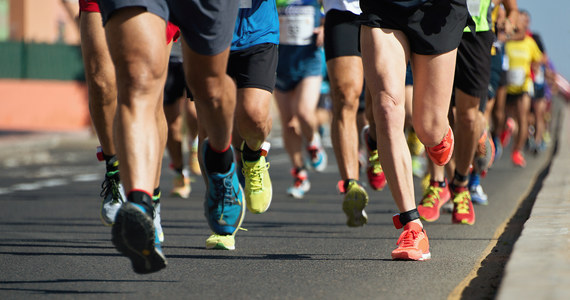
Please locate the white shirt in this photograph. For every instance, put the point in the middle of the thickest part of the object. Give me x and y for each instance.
(352, 6)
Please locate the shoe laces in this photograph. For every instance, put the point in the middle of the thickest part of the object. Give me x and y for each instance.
(407, 238)
(462, 202)
(255, 175)
(110, 185)
(431, 195)
(374, 162)
(223, 189)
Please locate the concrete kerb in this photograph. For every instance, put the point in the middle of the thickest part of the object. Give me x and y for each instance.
(539, 267)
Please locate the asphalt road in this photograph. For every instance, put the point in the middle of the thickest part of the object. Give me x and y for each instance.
(53, 245)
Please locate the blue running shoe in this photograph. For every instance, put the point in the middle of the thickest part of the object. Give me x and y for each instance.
(478, 196)
(224, 205)
(134, 235)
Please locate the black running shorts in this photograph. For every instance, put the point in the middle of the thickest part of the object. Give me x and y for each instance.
(207, 25)
(175, 83)
(254, 67)
(341, 34)
(432, 26)
(473, 67)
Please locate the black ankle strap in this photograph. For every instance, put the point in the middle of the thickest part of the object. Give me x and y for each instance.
(400, 220)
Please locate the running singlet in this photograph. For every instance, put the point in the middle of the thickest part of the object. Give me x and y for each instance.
(521, 55)
(297, 21)
(480, 13)
(256, 23)
(352, 6)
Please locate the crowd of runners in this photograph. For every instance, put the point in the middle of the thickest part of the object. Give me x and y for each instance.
(432, 89)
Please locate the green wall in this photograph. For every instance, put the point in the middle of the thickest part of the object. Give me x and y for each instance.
(20, 60)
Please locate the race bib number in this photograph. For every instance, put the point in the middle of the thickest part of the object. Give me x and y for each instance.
(516, 77)
(296, 25)
(245, 3)
(474, 6)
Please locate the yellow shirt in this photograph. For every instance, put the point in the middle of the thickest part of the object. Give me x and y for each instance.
(521, 54)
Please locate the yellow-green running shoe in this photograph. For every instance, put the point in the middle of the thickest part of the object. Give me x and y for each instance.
(258, 191)
(355, 200)
(414, 143)
(221, 242)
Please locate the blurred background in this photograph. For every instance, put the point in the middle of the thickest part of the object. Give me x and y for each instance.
(41, 72)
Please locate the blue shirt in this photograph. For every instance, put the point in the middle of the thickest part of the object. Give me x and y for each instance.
(256, 25)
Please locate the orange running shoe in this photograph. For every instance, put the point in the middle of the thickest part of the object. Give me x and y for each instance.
(441, 154)
(463, 212)
(518, 159)
(435, 196)
(413, 244)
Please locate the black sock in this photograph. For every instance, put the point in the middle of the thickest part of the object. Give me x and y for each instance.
(219, 162)
(250, 155)
(143, 198)
(460, 178)
(439, 183)
(156, 194)
(371, 143)
(111, 162)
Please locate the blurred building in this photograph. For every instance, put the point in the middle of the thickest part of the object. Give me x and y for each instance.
(39, 21)
(41, 71)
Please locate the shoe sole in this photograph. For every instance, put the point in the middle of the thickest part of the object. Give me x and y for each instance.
(406, 256)
(220, 246)
(133, 235)
(353, 206)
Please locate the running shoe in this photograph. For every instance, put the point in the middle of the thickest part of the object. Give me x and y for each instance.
(258, 191)
(113, 197)
(441, 154)
(221, 242)
(194, 162)
(463, 212)
(435, 196)
(505, 136)
(413, 244)
(135, 236)
(156, 220)
(317, 154)
(485, 153)
(301, 183)
(414, 144)
(181, 186)
(518, 159)
(355, 200)
(478, 196)
(224, 206)
(374, 171)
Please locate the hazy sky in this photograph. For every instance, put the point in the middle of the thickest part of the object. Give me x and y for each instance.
(551, 19)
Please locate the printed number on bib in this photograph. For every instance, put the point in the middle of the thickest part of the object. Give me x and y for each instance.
(516, 76)
(296, 25)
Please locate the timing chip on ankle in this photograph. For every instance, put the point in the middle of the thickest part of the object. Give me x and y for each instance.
(401, 219)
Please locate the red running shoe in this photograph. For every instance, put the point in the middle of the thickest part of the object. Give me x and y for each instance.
(463, 212)
(518, 159)
(374, 172)
(441, 154)
(413, 244)
(434, 198)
